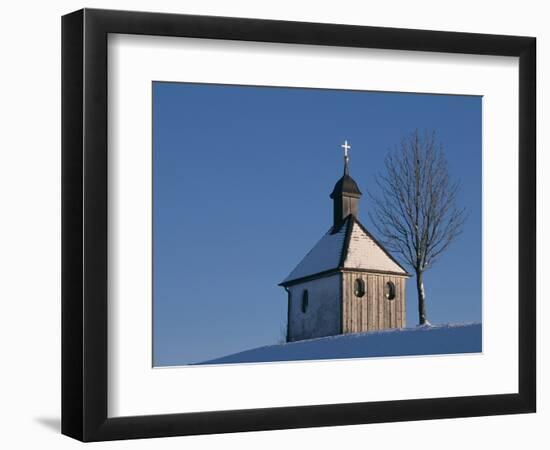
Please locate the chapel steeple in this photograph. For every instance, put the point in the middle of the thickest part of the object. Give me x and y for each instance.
(345, 195)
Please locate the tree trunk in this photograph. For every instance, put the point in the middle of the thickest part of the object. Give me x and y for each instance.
(422, 320)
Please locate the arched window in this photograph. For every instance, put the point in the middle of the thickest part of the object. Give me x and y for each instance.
(359, 287)
(305, 300)
(390, 290)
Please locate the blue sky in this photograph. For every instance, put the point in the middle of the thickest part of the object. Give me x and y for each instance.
(241, 184)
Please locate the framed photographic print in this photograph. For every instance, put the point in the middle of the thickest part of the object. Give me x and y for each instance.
(273, 224)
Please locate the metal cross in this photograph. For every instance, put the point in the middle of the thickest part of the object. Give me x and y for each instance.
(346, 147)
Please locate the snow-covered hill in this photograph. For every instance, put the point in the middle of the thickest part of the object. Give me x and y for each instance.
(432, 340)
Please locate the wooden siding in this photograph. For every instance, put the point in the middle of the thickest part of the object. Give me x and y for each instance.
(373, 311)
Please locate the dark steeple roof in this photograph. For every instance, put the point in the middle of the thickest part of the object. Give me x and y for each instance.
(346, 186)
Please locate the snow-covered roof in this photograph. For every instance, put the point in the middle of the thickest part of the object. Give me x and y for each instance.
(325, 255)
(349, 247)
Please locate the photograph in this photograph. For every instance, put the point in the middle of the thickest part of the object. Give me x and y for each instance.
(266, 225)
(296, 224)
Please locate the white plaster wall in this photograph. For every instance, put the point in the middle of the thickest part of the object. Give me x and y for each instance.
(322, 317)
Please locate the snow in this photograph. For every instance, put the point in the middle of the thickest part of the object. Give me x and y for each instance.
(361, 252)
(325, 255)
(425, 340)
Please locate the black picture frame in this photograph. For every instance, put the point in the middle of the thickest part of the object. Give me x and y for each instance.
(84, 224)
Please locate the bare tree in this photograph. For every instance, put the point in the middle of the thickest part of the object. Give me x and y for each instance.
(416, 212)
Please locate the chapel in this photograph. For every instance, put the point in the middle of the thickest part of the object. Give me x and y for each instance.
(348, 282)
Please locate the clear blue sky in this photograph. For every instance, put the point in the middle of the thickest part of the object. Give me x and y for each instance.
(241, 184)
